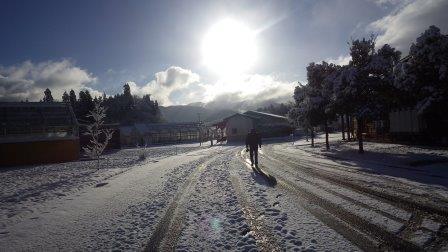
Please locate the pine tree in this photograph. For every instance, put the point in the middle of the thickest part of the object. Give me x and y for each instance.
(319, 94)
(65, 97)
(366, 83)
(47, 96)
(128, 100)
(72, 98)
(422, 78)
(85, 104)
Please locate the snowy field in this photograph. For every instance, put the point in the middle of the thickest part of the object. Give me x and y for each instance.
(191, 198)
(425, 163)
(23, 187)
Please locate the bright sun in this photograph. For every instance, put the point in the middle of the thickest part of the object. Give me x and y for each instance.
(229, 48)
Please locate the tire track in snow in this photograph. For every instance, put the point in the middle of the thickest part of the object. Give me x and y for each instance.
(375, 232)
(358, 228)
(166, 234)
(422, 172)
(411, 229)
(398, 186)
(354, 236)
(400, 202)
(378, 207)
(264, 240)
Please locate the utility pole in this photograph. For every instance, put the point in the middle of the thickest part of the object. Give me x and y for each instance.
(200, 129)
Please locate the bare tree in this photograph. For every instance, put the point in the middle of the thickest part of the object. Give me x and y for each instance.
(95, 130)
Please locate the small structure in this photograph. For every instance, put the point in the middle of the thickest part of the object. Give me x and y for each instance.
(37, 132)
(236, 127)
(405, 121)
(407, 125)
(159, 133)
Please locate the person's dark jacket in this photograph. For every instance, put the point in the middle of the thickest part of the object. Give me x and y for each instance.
(253, 140)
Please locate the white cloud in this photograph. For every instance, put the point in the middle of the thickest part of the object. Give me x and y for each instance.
(176, 86)
(175, 77)
(248, 92)
(250, 86)
(389, 2)
(28, 80)
(404, 25)
(166, 83)
(341, 60)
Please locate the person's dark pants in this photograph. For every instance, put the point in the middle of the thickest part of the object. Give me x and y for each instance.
(253, 150)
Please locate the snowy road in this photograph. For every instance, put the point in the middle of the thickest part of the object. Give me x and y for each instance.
(211, 199)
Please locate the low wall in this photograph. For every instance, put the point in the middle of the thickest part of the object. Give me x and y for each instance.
(39, 152)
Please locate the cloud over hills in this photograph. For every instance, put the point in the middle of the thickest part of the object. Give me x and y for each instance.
(173, 86)
(177, 86)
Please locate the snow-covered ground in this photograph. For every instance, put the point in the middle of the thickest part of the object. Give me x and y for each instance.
(390, 153)
(417, 163)
(23, 187)
(190, 198)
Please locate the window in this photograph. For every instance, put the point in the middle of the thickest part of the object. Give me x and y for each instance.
(234, 131)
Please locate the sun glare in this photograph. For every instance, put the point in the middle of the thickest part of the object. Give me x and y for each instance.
(229, 48)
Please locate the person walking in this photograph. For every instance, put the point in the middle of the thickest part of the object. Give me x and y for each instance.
(253, 141)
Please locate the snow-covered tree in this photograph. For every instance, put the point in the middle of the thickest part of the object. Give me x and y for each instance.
(331, 74)
(342, 97)
(313, 104)
(366, 84)
(99, 136)
(300, 113)
(381, 79)
(423, 77)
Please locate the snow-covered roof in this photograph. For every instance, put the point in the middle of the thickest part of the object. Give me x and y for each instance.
(239, 114)
(259, 117)
(263, 114)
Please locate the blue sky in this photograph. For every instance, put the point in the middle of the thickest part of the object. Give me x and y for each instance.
(156, 45)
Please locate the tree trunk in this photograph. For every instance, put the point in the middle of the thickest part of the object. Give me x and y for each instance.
(312, 137)
(327, 144)
(347, 119)
(342, 127)
(359, 136)
(352, 128)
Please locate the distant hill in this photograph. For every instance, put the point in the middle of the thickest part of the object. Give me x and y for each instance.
(189, 113)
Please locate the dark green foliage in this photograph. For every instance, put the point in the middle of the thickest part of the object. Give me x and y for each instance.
(72, 98)
(422, 78)
(121, 108)
(47, 96)
(65, 97)
(127, 109)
